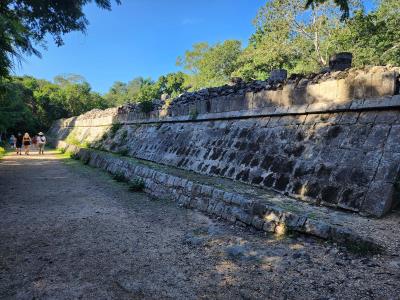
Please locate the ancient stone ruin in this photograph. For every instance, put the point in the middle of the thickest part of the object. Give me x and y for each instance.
(329, 139)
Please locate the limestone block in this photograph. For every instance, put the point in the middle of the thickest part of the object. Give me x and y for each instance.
(257, 222)
(383, 84)
(299, 96)
(389, 168)
(345, 91)
(287, 95)
(249, 100)
(379, 198)
(237, 102)
(227, 197)
(393, 145)
(317, 228)
(269, 226)
(273, 97)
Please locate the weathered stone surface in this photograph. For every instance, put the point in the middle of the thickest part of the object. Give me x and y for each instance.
(333, 149)
(249, 211)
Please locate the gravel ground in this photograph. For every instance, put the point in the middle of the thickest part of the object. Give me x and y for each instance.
(68, 231)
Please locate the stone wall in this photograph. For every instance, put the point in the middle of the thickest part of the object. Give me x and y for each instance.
(331, 139)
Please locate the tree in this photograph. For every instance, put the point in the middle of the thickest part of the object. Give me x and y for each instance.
(210, 65)
(172, 84)
(289, 37)
(25, 23)
(373, 38)
(342, 4)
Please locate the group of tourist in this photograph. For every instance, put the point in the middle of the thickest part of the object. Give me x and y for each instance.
(38, 142)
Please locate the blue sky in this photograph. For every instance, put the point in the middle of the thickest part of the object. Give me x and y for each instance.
(142, 38)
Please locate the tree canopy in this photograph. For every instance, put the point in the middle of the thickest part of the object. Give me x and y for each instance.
(25, 23)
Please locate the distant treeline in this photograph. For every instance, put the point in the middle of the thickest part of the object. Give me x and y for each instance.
(286, 36)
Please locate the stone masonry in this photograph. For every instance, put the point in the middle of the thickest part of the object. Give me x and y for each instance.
(330, 139)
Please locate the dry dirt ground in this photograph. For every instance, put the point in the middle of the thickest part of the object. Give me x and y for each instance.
(68, 231)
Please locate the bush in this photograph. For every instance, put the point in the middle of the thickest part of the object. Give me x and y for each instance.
(120, 177)
(123, 152)
(74, 156)
(193, 114)
(2, 152)
(137, 185)
(114, 128)
(146, 106)
(124, 135)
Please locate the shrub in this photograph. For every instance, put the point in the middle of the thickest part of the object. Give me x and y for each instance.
(72, 140)
(120, 177)
(124, 135)
(104, 137)
(137, 185)
(114, 128)
(123, 152)
(2, 152)
(146, 106)
(74, 156)
(193, 114)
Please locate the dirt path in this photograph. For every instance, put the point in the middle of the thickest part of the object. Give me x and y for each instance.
(68, 231)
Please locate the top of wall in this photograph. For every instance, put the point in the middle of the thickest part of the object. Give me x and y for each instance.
(344, 90)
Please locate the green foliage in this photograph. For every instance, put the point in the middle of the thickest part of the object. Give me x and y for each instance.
(342, 4)
(30, 104)
(137, 185)
(2, 152)
(25, 23)
(287, 36)
(193, 114)
(123, 152)
(74, 156)
(114, 128)
(72, 140)
(144, 91)
(373, 38)
(124, 135)
(120, 177)
(211, 65)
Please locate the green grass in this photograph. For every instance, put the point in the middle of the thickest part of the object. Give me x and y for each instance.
(2, 152)
(120, 177)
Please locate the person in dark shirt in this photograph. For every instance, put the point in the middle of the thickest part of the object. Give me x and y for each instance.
(18, 143)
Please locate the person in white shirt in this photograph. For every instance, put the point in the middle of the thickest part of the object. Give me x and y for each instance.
(41, 141)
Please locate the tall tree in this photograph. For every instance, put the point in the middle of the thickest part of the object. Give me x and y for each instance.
(374, 37)
(25, 23)
(210, 65)
(287, 36)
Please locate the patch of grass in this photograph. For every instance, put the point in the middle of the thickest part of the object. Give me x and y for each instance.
(120, 177)
(362, 248)
(137, 185)
(123, 152)
(114, 128)
(124, 135)
(74, 156)
(193, 114)
(62, 150)
(2, 152)
(72, 140)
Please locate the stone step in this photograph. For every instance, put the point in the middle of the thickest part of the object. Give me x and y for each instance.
(237, 202)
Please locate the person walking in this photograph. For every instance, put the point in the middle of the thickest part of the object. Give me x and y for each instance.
(41, 141)
(12, 141)
(27, 142)
(18, 142)
(34, 142)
